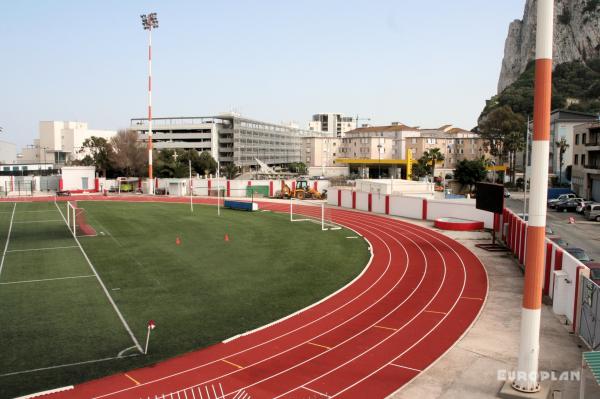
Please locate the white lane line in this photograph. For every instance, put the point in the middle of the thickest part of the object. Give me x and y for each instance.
(405, 367)
(45, 279)
(65, 365)
(7, 237)
(314, 391)
(112, 302)
(42, 249)
(38, 221)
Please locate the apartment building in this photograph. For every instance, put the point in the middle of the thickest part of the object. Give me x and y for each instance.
(562, 125)
(229, 138)
(320, 151)
(335, 124)
(454, 143)
(60, 141)
(585, 175)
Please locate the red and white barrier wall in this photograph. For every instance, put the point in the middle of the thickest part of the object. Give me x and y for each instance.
(410, 207)
(564, 292)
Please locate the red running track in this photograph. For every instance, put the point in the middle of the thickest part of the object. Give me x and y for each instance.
(418, 295)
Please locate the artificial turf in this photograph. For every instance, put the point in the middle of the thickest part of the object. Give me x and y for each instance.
(199, 292)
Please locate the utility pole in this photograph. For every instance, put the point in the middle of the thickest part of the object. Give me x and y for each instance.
(149, 22)
(527, 376)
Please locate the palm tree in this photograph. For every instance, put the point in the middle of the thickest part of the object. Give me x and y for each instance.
(434, 155)
(513, 143)
(562, 146)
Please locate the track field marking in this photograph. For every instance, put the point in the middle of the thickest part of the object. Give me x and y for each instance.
(38, 221)
(136, 382)
(42, 249)
(112, 302)
(385, 328)
(45, 279)
(315, 391)
(319, 345)
(405, 367)
(8, 237)
(434, 311)
(232, 364)
(66, 365)
(468, 297)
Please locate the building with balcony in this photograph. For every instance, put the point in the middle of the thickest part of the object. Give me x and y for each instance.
(562, 124)
(229, 138)
(335, 124)
(585, 175)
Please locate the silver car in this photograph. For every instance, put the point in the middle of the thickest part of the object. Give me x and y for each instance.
(592, 212)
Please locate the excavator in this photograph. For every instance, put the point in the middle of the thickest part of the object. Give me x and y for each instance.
(301, 191)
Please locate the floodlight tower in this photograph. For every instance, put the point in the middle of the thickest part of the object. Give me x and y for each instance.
(149, 22)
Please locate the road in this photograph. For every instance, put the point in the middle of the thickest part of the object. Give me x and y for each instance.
(583, 234)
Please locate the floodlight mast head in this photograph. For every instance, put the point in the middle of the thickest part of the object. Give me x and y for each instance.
(149, 21)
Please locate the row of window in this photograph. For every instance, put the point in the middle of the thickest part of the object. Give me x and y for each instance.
(576, 159)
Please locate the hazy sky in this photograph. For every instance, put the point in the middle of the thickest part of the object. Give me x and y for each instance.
(421, 63)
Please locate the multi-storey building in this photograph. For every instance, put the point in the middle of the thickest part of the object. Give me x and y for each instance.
(60, 141)
(229, 138)
(320, 151)
(335, 124)
(585, 175)
(562, 123)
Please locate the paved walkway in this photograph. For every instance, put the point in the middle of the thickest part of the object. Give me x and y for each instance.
(470, 368)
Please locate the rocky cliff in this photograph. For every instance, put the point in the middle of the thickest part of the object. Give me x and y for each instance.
(576, 37)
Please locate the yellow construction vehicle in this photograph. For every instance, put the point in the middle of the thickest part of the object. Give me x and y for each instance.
(301, 191)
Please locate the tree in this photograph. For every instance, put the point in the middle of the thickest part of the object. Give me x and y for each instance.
(562, 146)
(231, 171)
(469, 172)
(203, 163)
(98, 152)
(129, 154)
(513, 143)
(499, 130)
(297, 167)
(434, 155)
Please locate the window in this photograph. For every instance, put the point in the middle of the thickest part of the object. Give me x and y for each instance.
(576, 139)
(576, 158)
(413, 140)
(583, 140)
(583, 158)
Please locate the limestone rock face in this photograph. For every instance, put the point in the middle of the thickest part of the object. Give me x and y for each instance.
(576, 37)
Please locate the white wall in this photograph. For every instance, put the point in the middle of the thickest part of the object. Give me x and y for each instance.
(408, 207)
(72, 177)
(460, 209)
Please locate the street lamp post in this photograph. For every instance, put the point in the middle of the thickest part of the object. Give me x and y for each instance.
(149, 22)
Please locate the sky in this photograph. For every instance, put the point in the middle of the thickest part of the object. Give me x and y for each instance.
(420, 63)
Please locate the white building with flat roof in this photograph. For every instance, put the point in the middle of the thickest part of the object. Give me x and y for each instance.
(60, 141)
(8, 152)
(335, 124)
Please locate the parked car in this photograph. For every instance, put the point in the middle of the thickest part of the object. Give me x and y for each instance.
(559, 241)
(579, 254)
(506, 193)
(594, 271)
(568, 205)
(592, 212)
(581, 207)
(562, 197)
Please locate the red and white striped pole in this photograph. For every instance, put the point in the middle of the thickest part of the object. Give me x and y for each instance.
(526, 377)
(150, 170)
(150, 22)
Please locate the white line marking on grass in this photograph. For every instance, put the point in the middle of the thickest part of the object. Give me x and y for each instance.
(122, 353)
(49, 391)
(64, 365)
(112, 302)
(39, 221)
(45, 279)
(41, 249)
(8, 237)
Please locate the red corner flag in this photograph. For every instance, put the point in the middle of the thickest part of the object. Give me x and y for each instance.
(151, 325)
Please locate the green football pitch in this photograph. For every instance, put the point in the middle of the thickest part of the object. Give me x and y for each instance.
(72, 310)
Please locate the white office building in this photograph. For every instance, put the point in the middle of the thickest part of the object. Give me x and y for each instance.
(335, 124)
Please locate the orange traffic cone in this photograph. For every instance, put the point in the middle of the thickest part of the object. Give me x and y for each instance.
(226, 237)
(178, 241)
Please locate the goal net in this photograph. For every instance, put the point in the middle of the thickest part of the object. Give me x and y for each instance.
(317, 212)
(77, 220)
